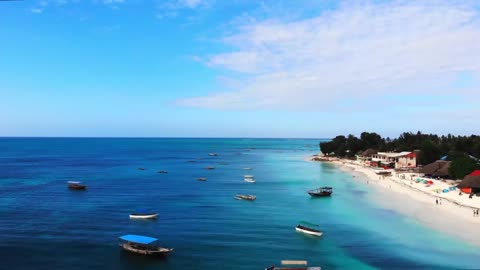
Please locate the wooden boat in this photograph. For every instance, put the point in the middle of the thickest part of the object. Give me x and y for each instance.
(162, 172)
(143, 214)
(202, 179)
(321, 192)
(308, 228)
(249, 178)
(293, 265)
(144, 245)
(76, 185)
(245, 197)
(209, 168)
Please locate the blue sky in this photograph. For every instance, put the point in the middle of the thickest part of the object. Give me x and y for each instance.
(240, 68)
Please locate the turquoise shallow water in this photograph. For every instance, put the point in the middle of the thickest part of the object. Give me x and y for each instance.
(43, 225)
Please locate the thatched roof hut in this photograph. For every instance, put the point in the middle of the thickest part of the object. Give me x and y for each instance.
(471, 181)
(438, 168)
(369, 152)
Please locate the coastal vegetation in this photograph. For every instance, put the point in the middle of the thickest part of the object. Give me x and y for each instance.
(463, 151)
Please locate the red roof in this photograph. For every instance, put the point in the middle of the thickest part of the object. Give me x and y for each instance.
(411, 155)
(475, 173)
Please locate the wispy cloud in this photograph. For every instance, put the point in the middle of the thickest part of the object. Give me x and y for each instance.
(353, 54)
(172, 8)
(36, 10)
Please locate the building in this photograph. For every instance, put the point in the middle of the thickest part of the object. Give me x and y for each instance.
(366, 156)
(394, 160)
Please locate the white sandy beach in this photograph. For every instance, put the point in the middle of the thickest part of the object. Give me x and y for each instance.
(453, 214)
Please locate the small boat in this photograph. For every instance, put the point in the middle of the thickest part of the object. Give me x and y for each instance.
(202, 179)
(249, 178)
(321, 192)
(141, 169)
(245, 197)
(162, 172)
(293, 265)
(76, 185)
(213, 154)
(144, 245)
(209, 168)
(191, 161)
(247, 168)
(143, 214)
(308, 228)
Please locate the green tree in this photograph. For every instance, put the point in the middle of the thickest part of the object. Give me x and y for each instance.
(461, 165)
(430, 153)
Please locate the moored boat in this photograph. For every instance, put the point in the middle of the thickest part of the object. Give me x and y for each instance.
(143, 214)
(202, 179)
(144, 245)
(76, 185)
(247, 168)
(293, 265)
(213, 154)
(209, 168)
(308, 228)
(321, 192)
(245, 197)
(249, 178)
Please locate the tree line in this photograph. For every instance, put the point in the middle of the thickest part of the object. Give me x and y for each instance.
(464, 151)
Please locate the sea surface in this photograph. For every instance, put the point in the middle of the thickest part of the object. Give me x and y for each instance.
(43, 225)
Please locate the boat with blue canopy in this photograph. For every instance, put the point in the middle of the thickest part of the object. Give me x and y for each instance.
(144, 245)
(144, 214)
(308, 228)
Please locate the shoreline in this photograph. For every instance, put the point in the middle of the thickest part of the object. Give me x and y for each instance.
(451, 215)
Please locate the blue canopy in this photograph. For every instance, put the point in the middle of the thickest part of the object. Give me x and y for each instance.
(139, 239)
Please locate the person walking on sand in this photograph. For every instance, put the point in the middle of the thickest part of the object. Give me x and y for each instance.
(436, 201)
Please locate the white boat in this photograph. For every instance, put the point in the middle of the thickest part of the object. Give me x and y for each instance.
(247, 168)
(249, 178)
(293, 265)
(308, 228)
(245, 197)
(143, 214)
(213, 154)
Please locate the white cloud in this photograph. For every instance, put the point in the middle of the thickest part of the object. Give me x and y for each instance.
(355, 53)
(109, 2)
(191, 3)
(36, 10)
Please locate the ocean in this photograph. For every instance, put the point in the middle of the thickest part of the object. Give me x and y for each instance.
(44, 225)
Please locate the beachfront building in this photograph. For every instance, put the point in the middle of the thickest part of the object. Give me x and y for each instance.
(471, 183)
(366, 156)
(394, 160)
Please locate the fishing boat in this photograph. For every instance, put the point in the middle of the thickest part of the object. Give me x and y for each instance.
(321, 192)
(293, 265)
(249, 178)
(308, 228)
(202, 179)
(143, 214)
(76, 185)
(144, 245)
(245, 197)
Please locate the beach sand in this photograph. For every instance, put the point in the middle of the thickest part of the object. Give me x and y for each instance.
(453, 215)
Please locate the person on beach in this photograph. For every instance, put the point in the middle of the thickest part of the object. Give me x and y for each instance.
(436, 201)
(440, 201)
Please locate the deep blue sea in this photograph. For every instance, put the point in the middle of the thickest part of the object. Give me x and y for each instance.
(43, 225)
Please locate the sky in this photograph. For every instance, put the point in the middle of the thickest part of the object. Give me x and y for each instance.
(238, 68)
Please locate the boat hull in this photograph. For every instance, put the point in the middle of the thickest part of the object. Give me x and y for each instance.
(320, 194)
(137, 216)
(310, 232)
(159, 252)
